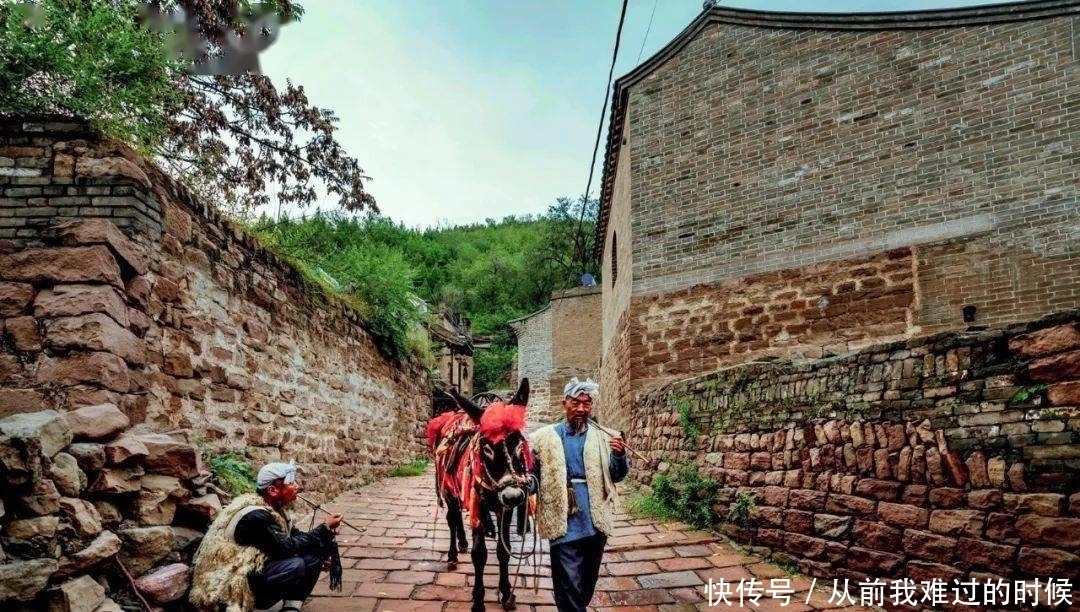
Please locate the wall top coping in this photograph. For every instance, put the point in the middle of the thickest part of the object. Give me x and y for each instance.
(1012, 12)
(575, 292)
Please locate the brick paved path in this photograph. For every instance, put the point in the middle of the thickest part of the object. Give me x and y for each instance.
(397, 564)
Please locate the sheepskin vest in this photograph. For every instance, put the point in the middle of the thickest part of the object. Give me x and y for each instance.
(222, 565)
(554, 503)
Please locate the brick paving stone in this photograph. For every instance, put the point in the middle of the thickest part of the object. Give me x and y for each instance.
(648, 554)
(398, 563)
(697, 550)
(410, 577)
(407, 605)
(354, 604)
(683, 563)
(641, 597)
(669, 580)
(632, 568)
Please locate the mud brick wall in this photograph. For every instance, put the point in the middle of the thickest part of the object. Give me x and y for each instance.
(951, 456)
(181, 320)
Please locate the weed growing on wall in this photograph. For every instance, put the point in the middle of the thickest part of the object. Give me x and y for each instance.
(233, 473)
(683, 494)
(686, 419)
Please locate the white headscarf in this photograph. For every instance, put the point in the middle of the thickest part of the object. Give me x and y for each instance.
(273, 471)
(575, 387)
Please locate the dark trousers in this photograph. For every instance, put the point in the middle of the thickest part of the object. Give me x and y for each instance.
(291, 578)
(575, 566)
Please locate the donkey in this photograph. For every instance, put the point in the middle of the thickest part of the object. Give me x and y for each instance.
(482, 465)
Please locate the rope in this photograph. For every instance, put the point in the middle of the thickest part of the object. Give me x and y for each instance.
(600, 127)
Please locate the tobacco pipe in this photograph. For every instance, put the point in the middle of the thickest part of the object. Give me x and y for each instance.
(318, 507)
(617, 434)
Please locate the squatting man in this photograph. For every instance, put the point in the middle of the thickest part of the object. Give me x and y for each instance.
(252, 557)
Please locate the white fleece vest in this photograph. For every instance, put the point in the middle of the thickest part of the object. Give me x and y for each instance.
(222, 565)
(553, 503)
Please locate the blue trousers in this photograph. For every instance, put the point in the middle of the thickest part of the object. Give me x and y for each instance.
(290, 578)
(575, 567)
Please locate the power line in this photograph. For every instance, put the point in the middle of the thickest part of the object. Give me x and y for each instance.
(647, 30)
(600, 129)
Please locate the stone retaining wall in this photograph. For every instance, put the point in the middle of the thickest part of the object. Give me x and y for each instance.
(123, 295)
(952, 456)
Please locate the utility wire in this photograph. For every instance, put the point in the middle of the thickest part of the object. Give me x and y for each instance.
(599, 130)
(647, 30)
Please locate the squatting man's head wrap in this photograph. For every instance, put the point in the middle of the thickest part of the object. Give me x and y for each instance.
(273, 471)
(575, 387)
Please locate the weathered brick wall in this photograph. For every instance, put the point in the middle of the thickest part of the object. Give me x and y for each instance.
(948, 456)
(758, 149)
(780, 157)
(186, 325)
(534, 360)
(575, 340)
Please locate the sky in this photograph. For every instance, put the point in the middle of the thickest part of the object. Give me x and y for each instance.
(466, 110)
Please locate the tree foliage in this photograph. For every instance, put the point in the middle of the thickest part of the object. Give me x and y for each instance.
(492, 272)
(237, 140)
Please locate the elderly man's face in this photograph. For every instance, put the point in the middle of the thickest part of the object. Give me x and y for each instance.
(578, 409)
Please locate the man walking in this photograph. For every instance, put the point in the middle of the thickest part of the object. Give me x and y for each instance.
(577, 467)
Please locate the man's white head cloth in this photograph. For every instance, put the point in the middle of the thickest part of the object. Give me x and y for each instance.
(273, 471)
(575, 387)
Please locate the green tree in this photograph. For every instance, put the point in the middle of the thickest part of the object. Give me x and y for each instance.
(235, 139)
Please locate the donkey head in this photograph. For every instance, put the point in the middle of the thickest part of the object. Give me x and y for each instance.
(502, 457)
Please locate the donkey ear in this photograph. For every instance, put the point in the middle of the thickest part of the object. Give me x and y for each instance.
(474, 411)
(521, 398)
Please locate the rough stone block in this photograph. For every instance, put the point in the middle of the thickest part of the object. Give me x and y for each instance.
(102, 231)
(93, 264)
(1061, 367)
(958, 522)
(83, 516)
(47, 427)
(96, 368)
(144, 547)
(903, 515)
(97, 422)
(169, 457)
(95, 332)
(23, 580)
(15, 298)
(78, 299)
(64, 471)
(1046, 341)
(165, 584)
(81, 594)
(1054, 531)
(929, 546)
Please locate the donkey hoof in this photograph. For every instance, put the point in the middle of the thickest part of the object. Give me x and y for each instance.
(510, 603)
(451, 565)
(463, 547)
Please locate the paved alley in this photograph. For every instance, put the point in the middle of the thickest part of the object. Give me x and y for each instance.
(398, 564)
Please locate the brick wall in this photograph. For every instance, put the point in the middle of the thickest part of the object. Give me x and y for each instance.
(950, 456)
(534, 360)
(755, 159)
(575, 340)
(187, 325)
(756, 149)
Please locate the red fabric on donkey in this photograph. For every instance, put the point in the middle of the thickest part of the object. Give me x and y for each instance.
(482, 463)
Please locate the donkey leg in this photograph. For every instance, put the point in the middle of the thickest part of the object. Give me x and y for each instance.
(479, 560)
(521, 517)
(453, 520)
(506, 592)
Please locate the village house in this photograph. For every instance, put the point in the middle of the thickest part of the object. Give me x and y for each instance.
(798, 185)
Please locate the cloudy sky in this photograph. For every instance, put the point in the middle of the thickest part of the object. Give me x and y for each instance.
(463, 110)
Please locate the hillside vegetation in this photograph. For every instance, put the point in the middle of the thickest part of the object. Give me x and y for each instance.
(491, 272)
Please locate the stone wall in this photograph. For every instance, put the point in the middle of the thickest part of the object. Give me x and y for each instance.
(185, 322)
(85, 499)
(762, 154)
(949, 456)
